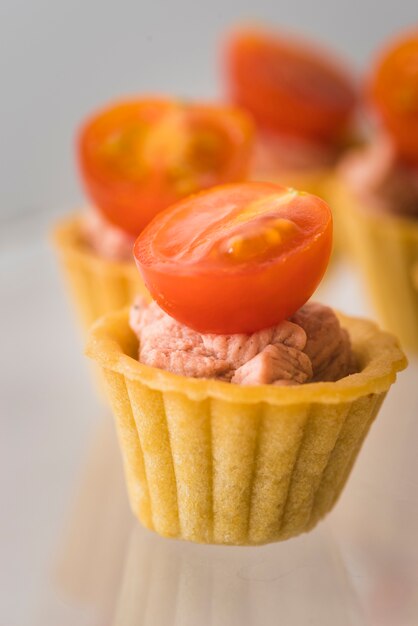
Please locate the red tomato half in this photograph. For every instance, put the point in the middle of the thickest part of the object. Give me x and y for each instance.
(288, 85)
(236, 258)
(137, 158)
(394, 92)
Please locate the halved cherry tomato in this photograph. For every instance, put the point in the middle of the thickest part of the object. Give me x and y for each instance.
(394, 92)
(236, 258)
(288, 85)
(138, 157)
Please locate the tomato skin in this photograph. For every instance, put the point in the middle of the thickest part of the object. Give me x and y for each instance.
(393, 91)
(130, 185)
(212, 295)
(290, 86)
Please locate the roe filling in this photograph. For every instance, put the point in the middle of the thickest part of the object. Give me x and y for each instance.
(311, 346)
(105, 239)
(381, 180)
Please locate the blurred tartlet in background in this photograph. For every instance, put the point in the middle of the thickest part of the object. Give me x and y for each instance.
(303, 101)
(376, 191)
(135, 158)
(240, 406)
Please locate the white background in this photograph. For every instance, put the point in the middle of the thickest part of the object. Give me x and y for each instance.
(59, 59)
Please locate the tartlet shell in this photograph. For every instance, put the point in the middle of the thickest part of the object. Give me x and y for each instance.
(213, 462)
(96, 285)
(385, 248)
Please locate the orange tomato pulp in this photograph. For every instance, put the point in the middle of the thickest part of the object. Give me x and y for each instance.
(289, 86)
(393, 89)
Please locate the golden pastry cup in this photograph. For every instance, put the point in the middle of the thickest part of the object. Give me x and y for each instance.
(214, 462)
(97, 285)
(385, 248)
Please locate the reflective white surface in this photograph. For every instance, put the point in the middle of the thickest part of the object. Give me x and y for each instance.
(302, 581)
(71, 552)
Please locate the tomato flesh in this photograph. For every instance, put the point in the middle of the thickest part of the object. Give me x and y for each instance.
(289, 86)
(236, 258)
(394, 93)
(138, 157)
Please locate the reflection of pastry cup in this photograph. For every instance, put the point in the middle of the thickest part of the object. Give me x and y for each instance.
(91, 558)
(211, 585)
(386, 249)
(97, 285)
(214, 462)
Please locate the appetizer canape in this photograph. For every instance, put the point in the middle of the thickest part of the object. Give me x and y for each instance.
(240, 406)
(377, 191)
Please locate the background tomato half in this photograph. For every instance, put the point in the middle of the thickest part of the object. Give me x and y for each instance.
(393, 90)
(236, 258)
(138, 157)
(289, 86)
